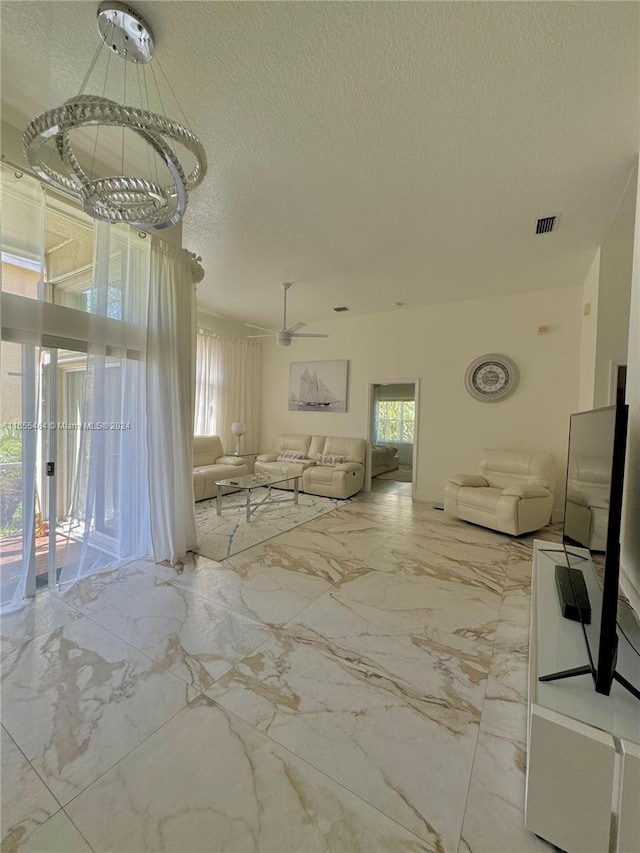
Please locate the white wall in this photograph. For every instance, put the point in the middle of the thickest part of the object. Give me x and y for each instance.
(630, 554)
(220, 325)
(614, 293)
(436, 344)
(589, 336)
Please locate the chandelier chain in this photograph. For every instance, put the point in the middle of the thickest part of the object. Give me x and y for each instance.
(153, 74)
(104, 89)
(146, 90)
(142, 106)
(91, 67)
(168, 82)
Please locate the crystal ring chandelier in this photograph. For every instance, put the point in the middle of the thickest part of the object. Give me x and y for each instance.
(139, 201)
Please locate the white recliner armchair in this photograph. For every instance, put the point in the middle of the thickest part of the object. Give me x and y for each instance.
(511, 491)
(210, 464)
(587, 505)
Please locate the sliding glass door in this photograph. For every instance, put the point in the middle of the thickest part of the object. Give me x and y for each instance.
(18, 448)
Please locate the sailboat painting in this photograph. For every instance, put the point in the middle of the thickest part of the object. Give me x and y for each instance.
(318, 386)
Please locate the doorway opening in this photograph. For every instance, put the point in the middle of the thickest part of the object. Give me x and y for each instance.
(393, 416)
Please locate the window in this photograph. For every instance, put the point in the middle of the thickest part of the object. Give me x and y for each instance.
(395, 421)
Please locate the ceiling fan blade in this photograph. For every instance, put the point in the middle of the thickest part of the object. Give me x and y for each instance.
(262, 328)
(303, 335)
(295, 328)
(259, 336)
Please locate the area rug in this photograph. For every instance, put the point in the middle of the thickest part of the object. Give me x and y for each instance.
(403, 474)
(221, 536)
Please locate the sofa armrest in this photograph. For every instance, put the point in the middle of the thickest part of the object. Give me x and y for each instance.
(230, 460)
(267, 457)
(526, 491)
(469, 480)
(348, 466)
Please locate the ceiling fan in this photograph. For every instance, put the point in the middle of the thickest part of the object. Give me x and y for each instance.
(285, 334)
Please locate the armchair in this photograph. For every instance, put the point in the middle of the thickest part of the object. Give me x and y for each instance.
(587, 505)
(511, 491)
(210, 464)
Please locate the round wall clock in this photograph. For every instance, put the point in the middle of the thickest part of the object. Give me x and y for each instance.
(491, 378)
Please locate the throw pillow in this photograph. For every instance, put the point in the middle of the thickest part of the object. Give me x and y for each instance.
(290, 456)
(329, 459)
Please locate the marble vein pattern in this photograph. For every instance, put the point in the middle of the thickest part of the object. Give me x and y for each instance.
(431, 555)
(184, 632)
(354, 684)
(97, 592)
(494, 816)
(78, 699)
(41, 615)
(221, 536)
(239, 792)
(57, 835)
(26, 801)
(269, 594)
(456, 608)
(282, 553)
(371, 704)
(337, 534)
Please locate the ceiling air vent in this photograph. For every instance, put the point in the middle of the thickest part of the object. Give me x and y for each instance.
(546, 225)
(341, 308)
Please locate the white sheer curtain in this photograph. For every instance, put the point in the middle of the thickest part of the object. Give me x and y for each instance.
(107, 522)
(110, 336)
(227, 388)
(170, 370)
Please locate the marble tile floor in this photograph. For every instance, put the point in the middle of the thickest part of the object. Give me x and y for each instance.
(355, 684)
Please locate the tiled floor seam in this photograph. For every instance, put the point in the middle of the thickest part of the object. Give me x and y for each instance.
(218, 603)
(198, 596)
(133, 749)
(78, 830)
(35, 770)
(318, 770)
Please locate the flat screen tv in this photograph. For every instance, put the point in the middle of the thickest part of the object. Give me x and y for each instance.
(592, 519)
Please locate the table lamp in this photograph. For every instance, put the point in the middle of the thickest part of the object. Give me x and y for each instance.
(238, 429)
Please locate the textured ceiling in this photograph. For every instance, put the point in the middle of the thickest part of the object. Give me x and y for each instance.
(375, 153)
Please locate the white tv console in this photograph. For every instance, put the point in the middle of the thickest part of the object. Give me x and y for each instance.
(583, 749)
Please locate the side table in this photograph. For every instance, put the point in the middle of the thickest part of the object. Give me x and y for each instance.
(249, 458)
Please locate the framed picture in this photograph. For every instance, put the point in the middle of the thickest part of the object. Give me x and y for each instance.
(318, 386)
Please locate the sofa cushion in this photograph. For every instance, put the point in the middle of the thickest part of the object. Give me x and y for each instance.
(469, 480)
(230, 460)
(292, 468)
(503, 468)
(328, 459)
(295, 443)
(290, 456)
(319, 474)
(205, 477)
(316, 446)
(353, 449)
(486, 499)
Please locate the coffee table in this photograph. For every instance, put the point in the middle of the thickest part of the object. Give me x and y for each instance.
(249, 482)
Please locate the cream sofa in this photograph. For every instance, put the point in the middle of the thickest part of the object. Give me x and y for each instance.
(330, 466)
(587, 505)
(210, 464)
(384, 457)
(511, 491)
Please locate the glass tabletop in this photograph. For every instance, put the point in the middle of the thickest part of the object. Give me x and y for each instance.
(255, 481)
